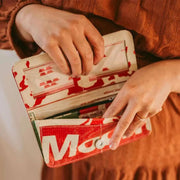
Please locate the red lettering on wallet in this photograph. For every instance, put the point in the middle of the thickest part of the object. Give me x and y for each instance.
(27, 64)
(45, 71)
(14, 74)
(70, 147)
(61, 144)
(38, 100)
(49, 83)
(105, 69)
(77, 89)
(22, 84)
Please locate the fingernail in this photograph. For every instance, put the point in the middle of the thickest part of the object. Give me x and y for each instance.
(128, 135)
(96, 62)
(113, 146)
(65, 72)
(75, 76)
(68, 73)
(106, 115)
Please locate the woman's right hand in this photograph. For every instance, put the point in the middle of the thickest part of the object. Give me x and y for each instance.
(69, 39)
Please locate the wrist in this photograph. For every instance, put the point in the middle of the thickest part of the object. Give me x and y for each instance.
(175, 75)
(23, 23)
(172, 72)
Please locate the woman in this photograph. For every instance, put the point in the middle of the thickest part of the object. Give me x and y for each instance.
(75, 45)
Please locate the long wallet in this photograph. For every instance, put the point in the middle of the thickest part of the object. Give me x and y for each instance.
(66, 112)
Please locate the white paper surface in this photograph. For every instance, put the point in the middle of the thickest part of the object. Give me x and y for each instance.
(20, 157)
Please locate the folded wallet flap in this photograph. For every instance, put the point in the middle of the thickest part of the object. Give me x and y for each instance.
(63, 141)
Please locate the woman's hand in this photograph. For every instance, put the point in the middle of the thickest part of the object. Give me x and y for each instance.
(69, 39)
(142, 96)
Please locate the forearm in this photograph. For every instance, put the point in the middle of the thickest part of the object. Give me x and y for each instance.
(172, 70)
(8, 35)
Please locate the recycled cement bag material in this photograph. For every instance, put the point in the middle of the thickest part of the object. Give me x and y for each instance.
(66, 112)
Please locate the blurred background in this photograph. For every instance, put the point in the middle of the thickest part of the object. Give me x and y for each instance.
(20, 157)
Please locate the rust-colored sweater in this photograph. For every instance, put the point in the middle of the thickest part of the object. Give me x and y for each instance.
(155, 25)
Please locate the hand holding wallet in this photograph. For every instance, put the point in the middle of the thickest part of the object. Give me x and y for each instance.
(66, 112)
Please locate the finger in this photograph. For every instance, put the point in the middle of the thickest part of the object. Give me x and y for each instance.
(72, 55)
(151, 114)
(57, 56)
(86, 53)
(122, 125)
(137, 122)
(96, 41)
(139, 125)
(116, 106)
(142, 114)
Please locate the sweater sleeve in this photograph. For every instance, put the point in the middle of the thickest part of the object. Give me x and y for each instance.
(8, 37)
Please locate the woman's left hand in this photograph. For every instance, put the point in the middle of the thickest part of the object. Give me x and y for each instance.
(142, 96)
